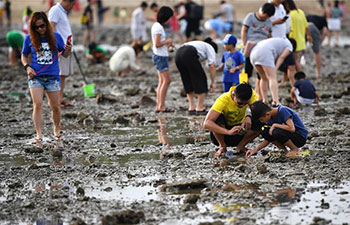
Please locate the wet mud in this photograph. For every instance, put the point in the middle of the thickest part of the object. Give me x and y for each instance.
(122, 163)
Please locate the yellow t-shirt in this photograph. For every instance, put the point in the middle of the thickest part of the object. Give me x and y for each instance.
(298, 26)
(227, 106)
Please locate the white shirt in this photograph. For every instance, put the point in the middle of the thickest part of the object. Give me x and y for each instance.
(157, 28)
(138, 24)
(59, 15)
(123, 58)
(204, 50)
(279, 30)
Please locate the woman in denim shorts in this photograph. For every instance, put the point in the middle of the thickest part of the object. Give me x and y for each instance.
(160, 56)
(44, 46)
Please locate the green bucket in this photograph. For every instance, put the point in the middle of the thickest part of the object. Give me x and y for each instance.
(16, 95)
(89, 90)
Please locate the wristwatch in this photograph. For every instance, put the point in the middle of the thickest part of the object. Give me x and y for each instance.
(26, 66)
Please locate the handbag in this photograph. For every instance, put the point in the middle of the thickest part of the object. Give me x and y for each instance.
(248, 48)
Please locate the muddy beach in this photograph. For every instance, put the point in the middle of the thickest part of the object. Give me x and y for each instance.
(121, 163)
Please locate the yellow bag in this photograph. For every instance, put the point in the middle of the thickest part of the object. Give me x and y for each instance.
(243, 77)
(83, 19)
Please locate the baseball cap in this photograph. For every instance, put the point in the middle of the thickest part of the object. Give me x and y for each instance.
(229, 39)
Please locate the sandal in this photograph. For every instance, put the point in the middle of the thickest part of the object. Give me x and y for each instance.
(202, 112)
(191, 112)
(58, 138)
(64, 104)
(37, 141)
(166, 110)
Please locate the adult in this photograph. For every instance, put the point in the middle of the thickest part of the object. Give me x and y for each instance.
(257, 27)
(138, 24)
(1, 11)
(215, 26)
(8, 12)
(44, 45)
(88, 23)
(279, 19)
(124, 59)
(321, 23)
(193, 20)
(188, 60)
(318, 35)
(334, 23)
(100, 11)
(229, 14)
(15, 40)
(266, 57)
(58, 17)
(298, 29)
(228, 121)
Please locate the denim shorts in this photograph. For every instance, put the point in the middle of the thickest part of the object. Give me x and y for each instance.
(160, 62)
(49, 83)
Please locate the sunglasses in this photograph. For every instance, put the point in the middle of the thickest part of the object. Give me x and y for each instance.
(40, 26)
(241, 103)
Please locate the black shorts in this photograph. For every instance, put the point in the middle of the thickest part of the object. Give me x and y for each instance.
(282, 136)
(192, 74)
(232, 140)
(249, 68)
(288, 61)
(192, 26)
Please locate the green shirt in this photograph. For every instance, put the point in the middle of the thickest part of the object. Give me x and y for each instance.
(98, 49)
(15, 39)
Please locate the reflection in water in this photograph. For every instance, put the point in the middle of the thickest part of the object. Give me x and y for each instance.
(162, 133)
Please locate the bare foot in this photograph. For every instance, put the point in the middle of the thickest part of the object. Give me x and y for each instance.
(294, 153)
(221, 152)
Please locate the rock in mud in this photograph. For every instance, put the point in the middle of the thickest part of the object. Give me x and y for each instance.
(191, 199)
(320, 221)
(335, 133)
(320, 112)
(324, 205)
(262, 169)
(121, 120)
(77, 221)
(212, 223)
(28, 204)
(276, 156)
(80, 191)
(184, 185)
(33, 150)
(189, 207)
(147, 101)
(101, 98)
(243, 168)
(132, 91)
(344, 111)
(171, 155)
(15, 185)
(123, 217)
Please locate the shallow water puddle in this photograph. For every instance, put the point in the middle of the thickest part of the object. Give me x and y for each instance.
(13, 160)
(319, 200)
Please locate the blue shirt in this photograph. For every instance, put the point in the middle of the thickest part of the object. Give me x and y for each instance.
(283, 114)
(306, 89)
(44, 62)
(231, 60)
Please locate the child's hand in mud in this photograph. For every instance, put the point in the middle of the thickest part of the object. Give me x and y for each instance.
(249, 153)
(234, 130)
(31, 73)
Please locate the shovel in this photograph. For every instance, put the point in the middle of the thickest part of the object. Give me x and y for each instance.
(89, 89)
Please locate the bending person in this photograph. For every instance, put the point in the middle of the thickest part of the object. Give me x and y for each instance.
(266, 57)
(188, 61)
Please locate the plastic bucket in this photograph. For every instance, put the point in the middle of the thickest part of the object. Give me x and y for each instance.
(89, 90)
(243, 77)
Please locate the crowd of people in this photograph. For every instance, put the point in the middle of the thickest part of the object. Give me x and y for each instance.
(274, 38)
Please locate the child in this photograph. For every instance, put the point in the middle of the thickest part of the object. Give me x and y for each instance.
(284, 128)
(95, 53)
(303, 90)
(232, 62)
(160, 56)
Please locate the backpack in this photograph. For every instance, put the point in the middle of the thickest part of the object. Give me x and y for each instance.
(196, 12)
